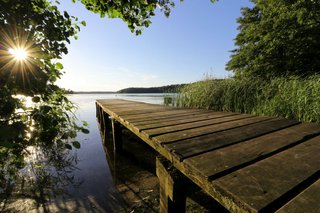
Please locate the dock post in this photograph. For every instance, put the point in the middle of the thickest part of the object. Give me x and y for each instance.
(100, 119)
(172, 189)
(116, 135)
(106, 126)
(97, 111)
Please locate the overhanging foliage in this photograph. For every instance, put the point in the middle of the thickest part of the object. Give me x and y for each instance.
(278, 38)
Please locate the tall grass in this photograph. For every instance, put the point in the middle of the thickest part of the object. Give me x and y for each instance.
(292, 98)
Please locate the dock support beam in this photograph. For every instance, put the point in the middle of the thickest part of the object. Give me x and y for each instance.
(172, 187)
(116, 135)
(106, 126)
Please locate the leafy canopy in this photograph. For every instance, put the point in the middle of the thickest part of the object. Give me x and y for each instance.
(278, 38)
(136, 13)
(34, 112)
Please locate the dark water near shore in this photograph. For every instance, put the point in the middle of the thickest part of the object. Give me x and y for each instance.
(97, 189)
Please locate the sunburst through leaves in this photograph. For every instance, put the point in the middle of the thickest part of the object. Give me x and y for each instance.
(18, 55)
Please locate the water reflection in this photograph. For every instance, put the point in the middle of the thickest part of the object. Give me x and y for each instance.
(133, 171)
(90, 179)
(106, 184)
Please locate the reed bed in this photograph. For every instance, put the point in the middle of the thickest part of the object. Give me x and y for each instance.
(292, 97)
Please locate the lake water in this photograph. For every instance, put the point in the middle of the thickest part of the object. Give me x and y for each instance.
(97, 189)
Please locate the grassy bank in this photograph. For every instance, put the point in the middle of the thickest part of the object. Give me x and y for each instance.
(292, 98)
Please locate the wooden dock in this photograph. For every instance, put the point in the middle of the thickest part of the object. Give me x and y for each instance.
(247, 163)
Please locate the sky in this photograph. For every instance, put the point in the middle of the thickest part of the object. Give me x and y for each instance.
(194, 42)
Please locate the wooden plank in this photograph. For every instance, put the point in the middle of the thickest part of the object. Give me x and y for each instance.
(260, 186)
(167, 124)
(170, 117)
(111, 102)
(307, 201)
(227, 159)
(124, 109)
(185, 125)
(195, 132)
(191, 147)
(163, 115)
(138, 111)
(117, 108)
(119, 103)
(123, 104)
(130, 106)
(170, 111)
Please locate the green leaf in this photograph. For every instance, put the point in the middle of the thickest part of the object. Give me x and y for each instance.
(68, 146)
(66, 14)
(83, 23)
(85, 123)
(7, 144)
(85, 131)
(59, 66)
(65, 136)
(45, 109)
(39, 166)
(76, 144)
(36, 99)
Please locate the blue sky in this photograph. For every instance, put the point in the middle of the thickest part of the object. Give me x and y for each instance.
(193, 42)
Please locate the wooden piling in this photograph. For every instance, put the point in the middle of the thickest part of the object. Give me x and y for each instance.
(116, 135)
(172, 190)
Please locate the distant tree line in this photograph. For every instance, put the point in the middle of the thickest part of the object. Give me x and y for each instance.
(164, 89)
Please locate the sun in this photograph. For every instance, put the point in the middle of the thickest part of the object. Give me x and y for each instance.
(19, 54)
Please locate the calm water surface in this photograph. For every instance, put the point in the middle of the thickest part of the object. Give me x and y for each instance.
(97, 189)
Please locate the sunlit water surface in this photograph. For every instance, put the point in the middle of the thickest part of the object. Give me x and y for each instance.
(97, 188)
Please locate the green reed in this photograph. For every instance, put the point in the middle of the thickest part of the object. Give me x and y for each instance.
(292, 98)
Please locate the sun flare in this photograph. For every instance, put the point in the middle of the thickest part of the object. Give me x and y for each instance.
(19, 57)
(19, 54)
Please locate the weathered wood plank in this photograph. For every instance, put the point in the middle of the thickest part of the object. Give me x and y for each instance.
(138, 111)
(307, 201)
(191, 147)
(123, 104)
(169, 112)
(124, 107)
(195, 132)
(260, 185)
(242, 154)
(116, 108)
(185, 125)
(162, 115)
(117, 102)
(196, 117)
(172, 190)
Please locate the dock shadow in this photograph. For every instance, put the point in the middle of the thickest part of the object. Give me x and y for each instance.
(134, 174)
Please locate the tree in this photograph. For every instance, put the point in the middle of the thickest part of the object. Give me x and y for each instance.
(33, 111)
(278, 38)
(135, 13)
